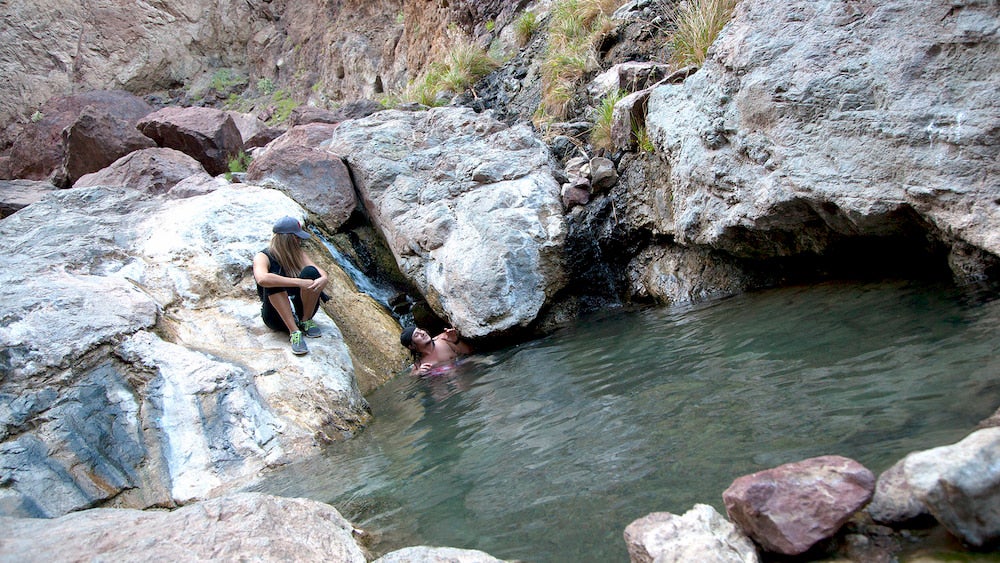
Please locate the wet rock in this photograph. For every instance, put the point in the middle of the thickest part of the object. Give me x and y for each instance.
(16, 194)
(425, 554)
(958, 484)
(208, 135)
(315, 178)
(790, 508)
(155, 170)
(246, 526)
(470, 208)
(701, 534)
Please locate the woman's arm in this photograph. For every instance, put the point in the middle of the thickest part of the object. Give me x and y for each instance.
(319, 283)
(261, 265)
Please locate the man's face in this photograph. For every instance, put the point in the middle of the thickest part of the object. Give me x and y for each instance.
(420, 337)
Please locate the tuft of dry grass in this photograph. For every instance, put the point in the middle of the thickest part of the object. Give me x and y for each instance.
(463, 65)
(575, 28)
(697, 24)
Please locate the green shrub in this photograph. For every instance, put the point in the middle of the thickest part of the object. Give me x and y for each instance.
(225, 79)
(525, 27)
(283, 106)
(697, 23)
(266, 86)
(600, 135)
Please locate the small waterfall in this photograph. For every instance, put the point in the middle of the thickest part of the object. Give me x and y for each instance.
(381, 292)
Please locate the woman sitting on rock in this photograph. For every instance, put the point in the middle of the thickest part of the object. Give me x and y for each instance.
(288, 279)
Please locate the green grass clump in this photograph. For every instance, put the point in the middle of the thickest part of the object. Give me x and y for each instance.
(642, 139)
(525, 26)
(224, 79)
(600, 135)
(697, 23)
(239, 162)
(284, 104)
(575, 28)
(463, 65)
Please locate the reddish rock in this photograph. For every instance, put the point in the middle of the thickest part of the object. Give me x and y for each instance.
(573, 195)
(37, 150)
(254, 132)
(95, 140)
(208, 135)
(313, 135)
(790, 508)
(316, 179)
(155, 170)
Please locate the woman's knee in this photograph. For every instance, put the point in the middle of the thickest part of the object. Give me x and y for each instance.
(310, 273)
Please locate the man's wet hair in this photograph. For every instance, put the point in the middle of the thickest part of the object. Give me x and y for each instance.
(406, 338)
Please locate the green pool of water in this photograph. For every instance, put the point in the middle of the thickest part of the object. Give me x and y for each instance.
(548, 450)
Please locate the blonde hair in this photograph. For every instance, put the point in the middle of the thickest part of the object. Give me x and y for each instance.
(287, 250)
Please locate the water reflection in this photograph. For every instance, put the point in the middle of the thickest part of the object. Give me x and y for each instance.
(546, 451)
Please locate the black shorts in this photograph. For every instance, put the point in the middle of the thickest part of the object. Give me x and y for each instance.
(270, 315)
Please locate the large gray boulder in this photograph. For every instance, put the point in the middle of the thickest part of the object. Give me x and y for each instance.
(239, 527)
(134, 365)
(469, 208)
(958, 484)
(818, 121)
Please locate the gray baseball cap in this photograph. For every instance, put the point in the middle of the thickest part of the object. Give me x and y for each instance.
(290, 226)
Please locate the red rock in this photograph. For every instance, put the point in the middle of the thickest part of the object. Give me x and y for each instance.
(788, 509)
(208, 135)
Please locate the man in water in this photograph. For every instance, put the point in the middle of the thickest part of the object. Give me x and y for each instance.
(431, 353)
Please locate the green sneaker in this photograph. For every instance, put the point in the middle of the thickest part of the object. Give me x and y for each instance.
(310, 328)
(298, 345)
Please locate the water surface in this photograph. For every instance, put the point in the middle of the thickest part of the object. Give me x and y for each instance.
(548, 450)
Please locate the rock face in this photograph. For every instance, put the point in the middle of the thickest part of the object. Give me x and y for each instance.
(70, 46)
(790, 508)
(958, 484)
(468, 206)
(245, 526)
(134, 367)
(701, 534)
(813, 123)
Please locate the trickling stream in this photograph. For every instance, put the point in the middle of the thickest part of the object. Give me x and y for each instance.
(548, 450)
